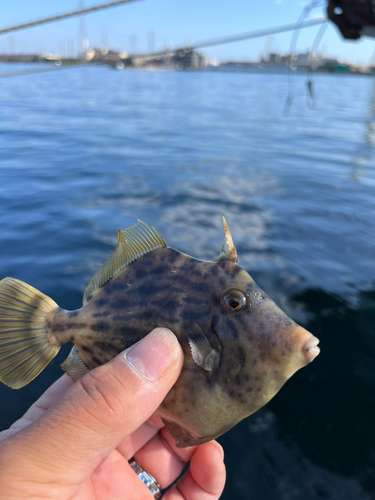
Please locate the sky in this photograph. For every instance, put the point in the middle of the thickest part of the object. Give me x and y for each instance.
(152, 24)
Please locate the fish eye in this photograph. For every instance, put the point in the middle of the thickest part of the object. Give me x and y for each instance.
(234, 301)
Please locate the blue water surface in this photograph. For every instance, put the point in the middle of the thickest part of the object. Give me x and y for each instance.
(87, 151)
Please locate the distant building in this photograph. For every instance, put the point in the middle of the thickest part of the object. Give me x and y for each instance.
(97, 54)
(284, 60)
(297, 59)
(302, 58)
(24, 58)
(274, 58)
(189, 59)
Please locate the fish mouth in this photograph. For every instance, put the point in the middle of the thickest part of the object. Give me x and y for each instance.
(311, 349)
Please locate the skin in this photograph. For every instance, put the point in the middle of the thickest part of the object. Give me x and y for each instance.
(76, 440)
(258, 347)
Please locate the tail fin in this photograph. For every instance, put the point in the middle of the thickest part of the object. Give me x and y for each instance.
(24, 347)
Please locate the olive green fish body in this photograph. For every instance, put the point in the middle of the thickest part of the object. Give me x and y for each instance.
(239, 347)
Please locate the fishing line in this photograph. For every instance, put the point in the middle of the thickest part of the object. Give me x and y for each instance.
(310, 100)
(58, 17)
(293, 43)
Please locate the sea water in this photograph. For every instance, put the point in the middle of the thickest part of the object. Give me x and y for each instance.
(87, 151)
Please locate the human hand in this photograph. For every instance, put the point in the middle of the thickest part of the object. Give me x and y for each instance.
(75, 441)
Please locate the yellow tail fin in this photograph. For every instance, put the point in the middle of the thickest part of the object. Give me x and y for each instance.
(24, 347)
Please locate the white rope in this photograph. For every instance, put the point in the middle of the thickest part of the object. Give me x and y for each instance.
(242, 36)
(72, 13)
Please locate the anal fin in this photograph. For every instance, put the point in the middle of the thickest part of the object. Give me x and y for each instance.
(74, 366)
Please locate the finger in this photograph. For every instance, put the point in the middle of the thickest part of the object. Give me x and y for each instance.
(162, 459)
(205, 477)
(135, 441)
(114, 478)
(105, 405)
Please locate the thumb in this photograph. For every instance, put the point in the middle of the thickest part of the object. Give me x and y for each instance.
(101, 408)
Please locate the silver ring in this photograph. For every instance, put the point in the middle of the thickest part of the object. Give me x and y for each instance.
(146, 478)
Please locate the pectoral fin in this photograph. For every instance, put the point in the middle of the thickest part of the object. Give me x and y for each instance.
(203, 353)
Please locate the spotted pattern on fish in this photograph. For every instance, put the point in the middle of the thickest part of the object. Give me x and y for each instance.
(235, 359)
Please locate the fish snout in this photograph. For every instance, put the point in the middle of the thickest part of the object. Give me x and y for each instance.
(306, 346)
(305, 349)
(310, 349)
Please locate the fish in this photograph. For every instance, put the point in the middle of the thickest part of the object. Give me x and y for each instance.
(239, 347)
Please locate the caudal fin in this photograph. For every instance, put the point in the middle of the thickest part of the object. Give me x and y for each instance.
(24, 347)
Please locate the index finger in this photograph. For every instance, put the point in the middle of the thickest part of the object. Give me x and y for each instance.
(205, 478)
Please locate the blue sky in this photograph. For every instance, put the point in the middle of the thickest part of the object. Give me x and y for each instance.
(175, 22)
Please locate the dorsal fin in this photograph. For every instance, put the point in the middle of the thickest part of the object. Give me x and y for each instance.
(133, 242)
(228, 251)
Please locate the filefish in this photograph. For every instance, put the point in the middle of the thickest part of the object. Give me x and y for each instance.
(239, 347)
